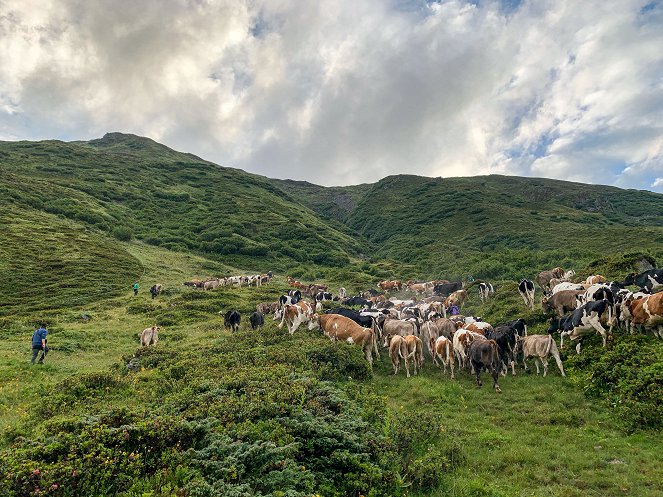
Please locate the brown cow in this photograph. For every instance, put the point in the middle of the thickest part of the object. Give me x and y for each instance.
(541, 347)
(544, 277)
(446, 327)
(415, 353)
(562, 302)
(338, 327)
(479, 327)
(443, 348)
(389, 285)
(456, 298)
(149, 336)
(399, 327)
(597, 278)
(395, 344)
(646, 312)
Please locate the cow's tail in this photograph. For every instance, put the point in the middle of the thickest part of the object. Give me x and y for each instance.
(448, 352)
(375, 345)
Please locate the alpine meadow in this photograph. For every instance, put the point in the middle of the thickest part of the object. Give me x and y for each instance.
(206, 411)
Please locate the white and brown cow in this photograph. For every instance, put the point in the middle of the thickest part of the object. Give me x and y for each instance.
(443, 350)
(294, 315)
(343, 329)
(414, 349)
(456, 298)
(541, 347)
(149, 336)
(646, 312)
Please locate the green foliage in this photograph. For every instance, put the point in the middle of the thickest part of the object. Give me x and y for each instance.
(629, 375)
(123, 233)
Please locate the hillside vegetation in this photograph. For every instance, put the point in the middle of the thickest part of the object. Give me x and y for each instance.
(206, 412)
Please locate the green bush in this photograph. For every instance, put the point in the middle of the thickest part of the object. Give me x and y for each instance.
(122, 233)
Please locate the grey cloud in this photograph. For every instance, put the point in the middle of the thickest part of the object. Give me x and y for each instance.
(345, 92)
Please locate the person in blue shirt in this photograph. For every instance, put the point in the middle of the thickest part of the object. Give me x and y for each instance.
(454, 310)
(39, 343)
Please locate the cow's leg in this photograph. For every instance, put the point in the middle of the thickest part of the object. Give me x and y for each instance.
(525, 363)
(451, 365)
(536, 363)
(596, 324)
(478, 372)
(513, 367)
(545, 366)
(495, 377)
(561, 339)
(407, 366)
(558, 360)
(369, 356)
(578, 347)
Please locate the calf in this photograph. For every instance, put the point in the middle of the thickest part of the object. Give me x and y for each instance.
(414, 353)
(346, 330)
(231, 320)
(149, 336)
(484, 354)
(395, 344)
(541, 347)
(526, 290)
(442, 348)
(257, 320)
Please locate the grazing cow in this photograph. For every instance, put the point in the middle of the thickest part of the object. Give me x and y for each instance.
(149, 336)
(211, 284)
(583, 320)
(442, 348)
(544, 277)
(418, 288)
(562, 302)
(446, 289)
(257, 320)
(541, 347)
(267, 307)
(647, 281)
(231, 320)
(397, 350)
(484, 354)
(456, 298)
(321, 296)
(346, 330)
(526, 290)
(155, 290)
(414, 353)
(294, 315)
(597, 278)
(485, 291)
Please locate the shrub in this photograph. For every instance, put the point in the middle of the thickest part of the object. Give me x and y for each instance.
(122, 233)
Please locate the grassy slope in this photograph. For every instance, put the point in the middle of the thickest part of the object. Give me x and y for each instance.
(540, 437)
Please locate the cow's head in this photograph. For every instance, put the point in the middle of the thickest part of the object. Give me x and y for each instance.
(314, 322)
(386, 341)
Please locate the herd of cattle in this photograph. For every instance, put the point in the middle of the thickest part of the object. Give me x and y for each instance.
(242, 280)
(431, 319)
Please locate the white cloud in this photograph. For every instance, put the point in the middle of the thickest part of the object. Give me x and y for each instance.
(344, 92)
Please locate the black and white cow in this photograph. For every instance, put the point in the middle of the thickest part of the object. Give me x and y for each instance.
(582, 321)
(289, 299)
(321, 296)
(357, 300)
(647, 281)
(526, 290)
(485, 291)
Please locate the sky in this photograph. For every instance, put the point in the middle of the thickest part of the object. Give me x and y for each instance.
(349, 91)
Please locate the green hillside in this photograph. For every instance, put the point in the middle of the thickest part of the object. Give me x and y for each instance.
(501, 227)
(206, 412)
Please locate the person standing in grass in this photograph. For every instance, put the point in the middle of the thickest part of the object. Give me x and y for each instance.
(136, 287)
(39, 343)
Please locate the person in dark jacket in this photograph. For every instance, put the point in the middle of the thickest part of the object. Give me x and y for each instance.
(39, 343)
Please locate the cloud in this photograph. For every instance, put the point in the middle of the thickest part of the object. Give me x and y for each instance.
(345, 92)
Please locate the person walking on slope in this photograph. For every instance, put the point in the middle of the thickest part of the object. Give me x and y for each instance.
(39, 343)
(136, 287)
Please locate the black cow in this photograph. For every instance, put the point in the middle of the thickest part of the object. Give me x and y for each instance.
(505, 338)
(231, 320)
(372, 292)
(519, 326)
(366, 321)
(582, 321)
(526, 290)
(446, 289)
(320, 296)
(647, 281)
(357, 300)
(484, 354)
(257, 319)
